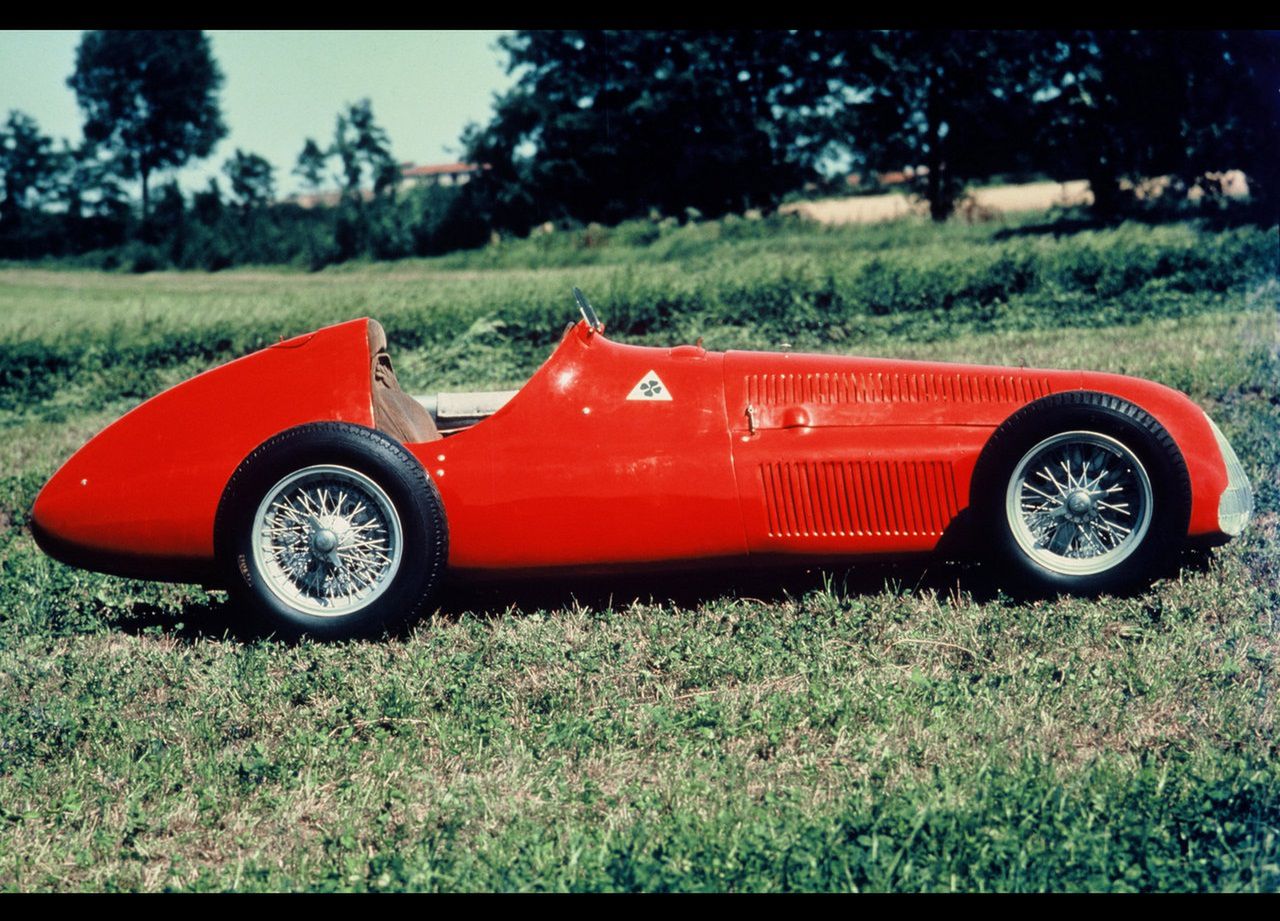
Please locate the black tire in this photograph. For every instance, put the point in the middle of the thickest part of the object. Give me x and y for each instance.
(1157, 490)
(334, 573)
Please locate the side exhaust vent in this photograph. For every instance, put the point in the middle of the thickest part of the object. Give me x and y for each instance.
(855, 498)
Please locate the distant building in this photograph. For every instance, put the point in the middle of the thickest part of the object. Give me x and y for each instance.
(900, 177)
(889, 178)
(313, 199)
(411, 176)
(444, 174)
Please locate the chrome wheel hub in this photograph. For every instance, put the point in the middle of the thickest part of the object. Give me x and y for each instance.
(1079, 503)
(327, 540)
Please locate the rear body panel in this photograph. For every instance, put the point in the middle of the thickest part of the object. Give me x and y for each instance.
(139, 498)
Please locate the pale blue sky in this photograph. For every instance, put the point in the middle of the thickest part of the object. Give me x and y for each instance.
(283, 87)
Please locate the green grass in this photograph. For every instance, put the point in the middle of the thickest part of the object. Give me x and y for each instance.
(890, 728)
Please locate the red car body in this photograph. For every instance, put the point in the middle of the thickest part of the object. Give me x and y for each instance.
(753, 456)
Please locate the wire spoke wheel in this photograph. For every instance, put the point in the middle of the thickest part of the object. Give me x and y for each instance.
(1079, 503)
(1080, 493)
(327, 540)
(333, 531)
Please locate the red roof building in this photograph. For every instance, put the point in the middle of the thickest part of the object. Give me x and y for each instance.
(411, 176)
(436, 174)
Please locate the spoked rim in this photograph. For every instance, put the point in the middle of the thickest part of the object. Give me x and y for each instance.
(1079, 503)
(327, 540)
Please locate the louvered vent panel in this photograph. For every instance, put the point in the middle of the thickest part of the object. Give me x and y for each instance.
(877, 387)
(852, 498)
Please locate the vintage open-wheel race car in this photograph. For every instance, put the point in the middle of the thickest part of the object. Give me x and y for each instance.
(331, 503)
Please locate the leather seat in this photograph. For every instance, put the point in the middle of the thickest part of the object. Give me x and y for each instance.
(395, 412)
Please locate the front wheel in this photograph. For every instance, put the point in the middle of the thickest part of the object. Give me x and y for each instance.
(1080, 493)
(331, 530)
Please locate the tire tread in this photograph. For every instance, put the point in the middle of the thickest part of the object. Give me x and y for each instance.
(374, 441)
(988, 484)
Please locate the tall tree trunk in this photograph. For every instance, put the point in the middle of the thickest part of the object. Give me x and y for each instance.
(760, 114)
(939, 206)
(147, 232)
(1104, 183)
(937, 191)
(1106, 193)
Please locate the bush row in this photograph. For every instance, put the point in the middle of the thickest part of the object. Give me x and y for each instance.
(1093, 278)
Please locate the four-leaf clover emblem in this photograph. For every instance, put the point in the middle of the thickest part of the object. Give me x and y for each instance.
(650, 387)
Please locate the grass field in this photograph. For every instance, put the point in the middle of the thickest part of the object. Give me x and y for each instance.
(888, 728)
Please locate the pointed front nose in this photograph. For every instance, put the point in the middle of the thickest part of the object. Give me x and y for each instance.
(99, 511)
(58, 522)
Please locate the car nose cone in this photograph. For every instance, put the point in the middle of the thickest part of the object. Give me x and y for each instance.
(58, 528)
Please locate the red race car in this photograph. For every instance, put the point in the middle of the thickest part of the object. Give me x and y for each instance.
(330, 502)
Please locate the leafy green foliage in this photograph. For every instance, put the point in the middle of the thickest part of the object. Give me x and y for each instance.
(612, 126)
(363, 150)
(29, 166)
(311, 165)
(252, 182)
(958, 104)
(150, 97)
(606, 125)
(1128, 105)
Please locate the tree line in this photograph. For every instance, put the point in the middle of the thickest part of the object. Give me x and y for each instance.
(606, 125)
(611, 125)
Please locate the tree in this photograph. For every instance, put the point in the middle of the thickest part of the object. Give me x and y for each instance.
(252, 179)
(29, 166)
(150, 98)
(364, 150)
(1115, 109)
(1236, 120)
(1130, 105)
(311, 165)
(206, 204)
(604, 125)
(169, 215)
(957, 104)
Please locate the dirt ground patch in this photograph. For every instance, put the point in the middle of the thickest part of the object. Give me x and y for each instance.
(988, 202)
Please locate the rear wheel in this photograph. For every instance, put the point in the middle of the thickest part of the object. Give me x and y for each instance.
(1082, 493)
(331, 530)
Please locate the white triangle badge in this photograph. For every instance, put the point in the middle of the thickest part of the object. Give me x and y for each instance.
(650, 387)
